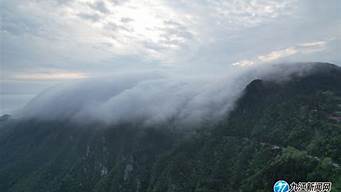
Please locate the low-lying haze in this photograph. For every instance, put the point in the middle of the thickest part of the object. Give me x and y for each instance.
(91, 50)
(149, 98)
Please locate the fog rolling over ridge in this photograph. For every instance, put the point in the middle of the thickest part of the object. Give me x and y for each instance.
(170, 96)
(153, 97)
(55, 41)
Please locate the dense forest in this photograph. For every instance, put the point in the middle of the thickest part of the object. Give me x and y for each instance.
(288, 130)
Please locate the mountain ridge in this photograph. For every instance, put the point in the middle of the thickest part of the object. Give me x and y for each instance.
(277, 130)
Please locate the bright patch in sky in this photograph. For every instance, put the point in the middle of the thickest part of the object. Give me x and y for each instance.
(72, 39)
(50, 76)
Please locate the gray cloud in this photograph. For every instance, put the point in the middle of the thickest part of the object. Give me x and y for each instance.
(100, 6)
(90, 17)
(181, 37)
(150, 98)
(126, 19)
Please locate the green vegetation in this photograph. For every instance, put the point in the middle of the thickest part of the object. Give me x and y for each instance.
(277, 131)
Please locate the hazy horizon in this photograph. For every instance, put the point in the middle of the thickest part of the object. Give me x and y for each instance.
(48, 43)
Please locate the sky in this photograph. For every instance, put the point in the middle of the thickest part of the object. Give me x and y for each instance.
(45, 43)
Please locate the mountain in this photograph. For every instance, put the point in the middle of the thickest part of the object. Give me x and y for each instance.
(288, 129)
(4, 117)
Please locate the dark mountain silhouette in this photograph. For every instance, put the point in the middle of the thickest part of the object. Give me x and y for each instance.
(278, 130)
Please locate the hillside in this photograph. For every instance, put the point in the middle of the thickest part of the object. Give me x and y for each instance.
(287, 130)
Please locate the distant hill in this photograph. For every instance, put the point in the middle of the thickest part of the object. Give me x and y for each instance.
(278, 130)
(4, 117)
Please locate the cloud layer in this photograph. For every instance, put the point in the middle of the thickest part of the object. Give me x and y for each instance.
(94, 36)
(149, 98)
(57, 40)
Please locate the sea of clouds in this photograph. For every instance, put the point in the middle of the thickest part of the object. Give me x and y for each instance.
(152, 97)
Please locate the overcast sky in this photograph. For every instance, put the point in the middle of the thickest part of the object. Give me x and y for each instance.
(46, 42)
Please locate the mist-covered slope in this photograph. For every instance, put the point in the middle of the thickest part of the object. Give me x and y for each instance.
(286, 129)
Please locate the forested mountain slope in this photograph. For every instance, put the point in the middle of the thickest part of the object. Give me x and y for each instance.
(278, 130)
